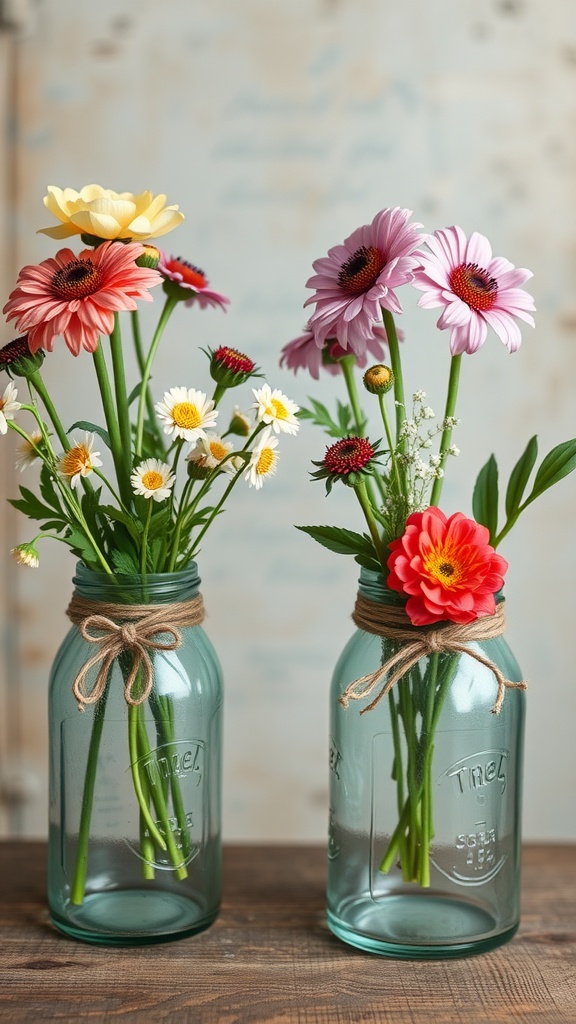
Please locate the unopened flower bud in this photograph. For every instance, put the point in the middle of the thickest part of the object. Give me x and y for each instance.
(150, 257)
(378, 379)
(239, 424)
(17, 359)
(26, 554)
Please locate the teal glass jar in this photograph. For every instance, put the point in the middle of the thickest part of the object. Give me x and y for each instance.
(425, 797)
(135, 776)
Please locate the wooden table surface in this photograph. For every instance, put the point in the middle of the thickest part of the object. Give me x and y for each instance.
(269, 959)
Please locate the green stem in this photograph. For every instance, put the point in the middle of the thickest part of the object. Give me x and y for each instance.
(164, 317)
(348, 363)
(37, 383)
(143, 551)
(156, 794)
(133, 717)
(111, 423)
(451, 398)
(122, 409)
(390, 440)
(362, 495)
(81, 866)
(139, 349)
(428, 750)
(396, 364)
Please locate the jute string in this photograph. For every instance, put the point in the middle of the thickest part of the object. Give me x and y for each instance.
(118, 628)
(419, 642)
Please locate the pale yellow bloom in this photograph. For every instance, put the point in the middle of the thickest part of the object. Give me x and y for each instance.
(106, 214)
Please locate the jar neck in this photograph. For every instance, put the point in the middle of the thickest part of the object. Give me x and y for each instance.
(372, 585)
(154, 588)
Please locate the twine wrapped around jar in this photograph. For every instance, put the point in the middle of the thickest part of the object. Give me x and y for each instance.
(418, 642)
(120, 628)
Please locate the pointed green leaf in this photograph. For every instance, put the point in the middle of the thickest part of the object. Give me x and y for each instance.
(135, 393)
(343, 542)
(92, 428)
(556, 465)
(520, 476)
(124, 563)
(485, 497)
(48, 489)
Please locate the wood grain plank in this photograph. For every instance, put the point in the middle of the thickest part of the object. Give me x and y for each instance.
(270, 959)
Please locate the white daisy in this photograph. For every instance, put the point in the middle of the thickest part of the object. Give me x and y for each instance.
(210, 451)
(153, 479)
(264, 460)
(186, 413)
(26, 554)
(26, 452)
(274, 408)
(8, 406)
(79, 460)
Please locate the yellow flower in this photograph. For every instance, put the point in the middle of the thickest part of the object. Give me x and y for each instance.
(105, 214)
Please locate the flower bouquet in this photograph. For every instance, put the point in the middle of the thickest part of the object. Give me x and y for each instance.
(440, 573)
(134, 495)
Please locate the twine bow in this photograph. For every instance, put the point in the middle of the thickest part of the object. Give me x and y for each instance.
(418, 642)
(119, 629)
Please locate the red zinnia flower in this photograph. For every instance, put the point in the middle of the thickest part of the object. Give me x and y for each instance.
(77, 296)
(446, 567)
(349, 455)
(231, 359)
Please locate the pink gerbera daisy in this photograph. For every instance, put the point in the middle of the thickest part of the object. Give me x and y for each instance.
(192, 280)
(304, 352)
(357, 279)
(77, 296)
(476, 289)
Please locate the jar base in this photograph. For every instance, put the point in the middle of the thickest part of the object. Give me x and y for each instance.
(133, 917)
(418, 927)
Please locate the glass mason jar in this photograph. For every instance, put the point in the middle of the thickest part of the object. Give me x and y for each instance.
(425, 801)
(135, 789)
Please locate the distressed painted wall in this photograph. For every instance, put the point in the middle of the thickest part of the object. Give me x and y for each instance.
(278, 128)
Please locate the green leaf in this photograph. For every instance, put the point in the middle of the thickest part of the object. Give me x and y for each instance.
(320, 416)
(31, 505)
(133, 525)
(520, 476)
(159, 522)
(81, 546)
(48, 490)
(93, 428)
(124, 563)
(485, 497)
(556, 465)
(343, 542)
(135, 393)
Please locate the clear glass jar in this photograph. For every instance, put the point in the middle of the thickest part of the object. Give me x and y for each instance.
(445, 882)
(135, 792)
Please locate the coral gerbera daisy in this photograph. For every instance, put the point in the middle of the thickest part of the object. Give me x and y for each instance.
(446, 567)
(8, 406)
(264, 460)
(273, 408)
(189, 283)
(476, 290)
(77, 296)
(79, 460)
(153, 479)
(357, 279)
(186, 413)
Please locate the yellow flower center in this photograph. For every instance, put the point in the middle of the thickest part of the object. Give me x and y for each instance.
(152, 480)
(186, 415)
(265, 462)
(75, 460)
(218, 450)
(441, 565)
(277, 409)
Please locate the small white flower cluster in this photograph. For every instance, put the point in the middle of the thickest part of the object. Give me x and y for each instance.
(414, 438)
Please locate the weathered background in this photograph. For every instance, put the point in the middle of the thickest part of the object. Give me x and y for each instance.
(280, 127)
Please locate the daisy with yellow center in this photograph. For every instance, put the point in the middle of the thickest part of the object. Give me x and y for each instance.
(186, 413)
(27, 451)
(274, 408)
(264, 460)
(8, 406)
(79, 460)
(26, 554)
(153, 479)
(209, 452)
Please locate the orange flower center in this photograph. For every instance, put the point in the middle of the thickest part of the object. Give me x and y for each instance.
(265, 461)
(190, 274)
(75, 460)
(362, 270)
(474, 286)
(152, 480)
(450, 564)
(218, 450)
(76, 280)
(186, 415)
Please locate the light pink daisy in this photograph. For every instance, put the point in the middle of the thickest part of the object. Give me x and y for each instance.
(77, 296)
(191, 279)
(304, 352)
(476, 290)
(356, 280)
